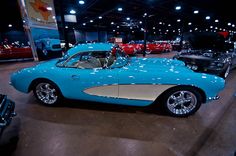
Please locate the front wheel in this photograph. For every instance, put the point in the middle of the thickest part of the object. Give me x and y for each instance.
(47, 93)
(181, 102)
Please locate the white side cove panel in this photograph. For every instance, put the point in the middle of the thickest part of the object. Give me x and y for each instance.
(142, 92)
(135, 92)
(107, 91)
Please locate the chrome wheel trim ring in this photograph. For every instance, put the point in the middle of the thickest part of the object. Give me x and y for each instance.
(182, 102)
(46, 93)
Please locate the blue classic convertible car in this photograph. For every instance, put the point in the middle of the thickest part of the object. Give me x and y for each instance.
(101, 72)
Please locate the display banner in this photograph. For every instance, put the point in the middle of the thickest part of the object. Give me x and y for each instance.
(39, 18)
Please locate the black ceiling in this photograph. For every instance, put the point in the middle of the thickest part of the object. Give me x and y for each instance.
(157, 10)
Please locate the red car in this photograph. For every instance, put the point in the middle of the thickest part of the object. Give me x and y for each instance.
(130, 49)
(10, 52)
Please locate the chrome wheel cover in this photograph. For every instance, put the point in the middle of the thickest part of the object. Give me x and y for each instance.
(182, 102)
(46, 93)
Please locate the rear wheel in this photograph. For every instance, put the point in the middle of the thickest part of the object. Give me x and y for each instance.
(47, 92)
(181, 102)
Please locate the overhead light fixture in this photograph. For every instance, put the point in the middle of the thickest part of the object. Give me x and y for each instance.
(118, 26)
(9, 25)
(169, 25)
(154, 28)
(114, 30)
(160, 22)
(216, 20)
(208, 17)
(112, 23)
(206, 29)
(120, 9)
(233, 25)
(178, 8)
(211, 27)
(195, 11)
(131, 27)
(189, 23)
(140, 22)
(229, 24)
(73, 12)
(190, 30)
(49, 8)
(178, 20)
(196, 28)
(84, 24)
(216, 28)
(173, 31)
(100, 17)
(127, 18)
(66, 27)
(167, 30)
(81, 2)
(145, 14)
(91, 21)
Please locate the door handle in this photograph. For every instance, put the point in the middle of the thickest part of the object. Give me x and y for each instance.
(75, 77)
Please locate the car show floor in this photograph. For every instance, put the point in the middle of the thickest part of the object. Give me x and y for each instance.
(95, 129)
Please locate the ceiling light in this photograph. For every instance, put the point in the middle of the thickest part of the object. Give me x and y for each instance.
(114, 30)
(127, 18)
(91, 21)
(178, 20)
(140, 22)
(10, 25)
(81, 2)
(112, 23)
(216, 28)
(216, 20)
(118, 26)
(233, 25)
(153, 28)
(100, 17)
(169, 25)
(211, 27)
(120, 9)
(84, 23)
(145, 14)
(160, 22)
(177, 7)
(196, 28)
(229, 24)
(195, 11)
(49, 8)
(190, 30)
(66, 27)
(206, 29)
(173, 31)
(73, 12)
(189, 23)
(208, 17)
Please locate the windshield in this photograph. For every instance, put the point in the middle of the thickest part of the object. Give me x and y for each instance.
(115, 58)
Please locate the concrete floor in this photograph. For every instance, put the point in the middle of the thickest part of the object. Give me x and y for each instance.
(81, 128)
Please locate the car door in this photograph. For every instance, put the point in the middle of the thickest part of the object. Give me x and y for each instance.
(89, 82)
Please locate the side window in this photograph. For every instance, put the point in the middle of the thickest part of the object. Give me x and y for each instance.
(73, 61)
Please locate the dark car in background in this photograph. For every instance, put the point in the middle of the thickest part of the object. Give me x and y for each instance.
(209, 53)
(7, 108)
